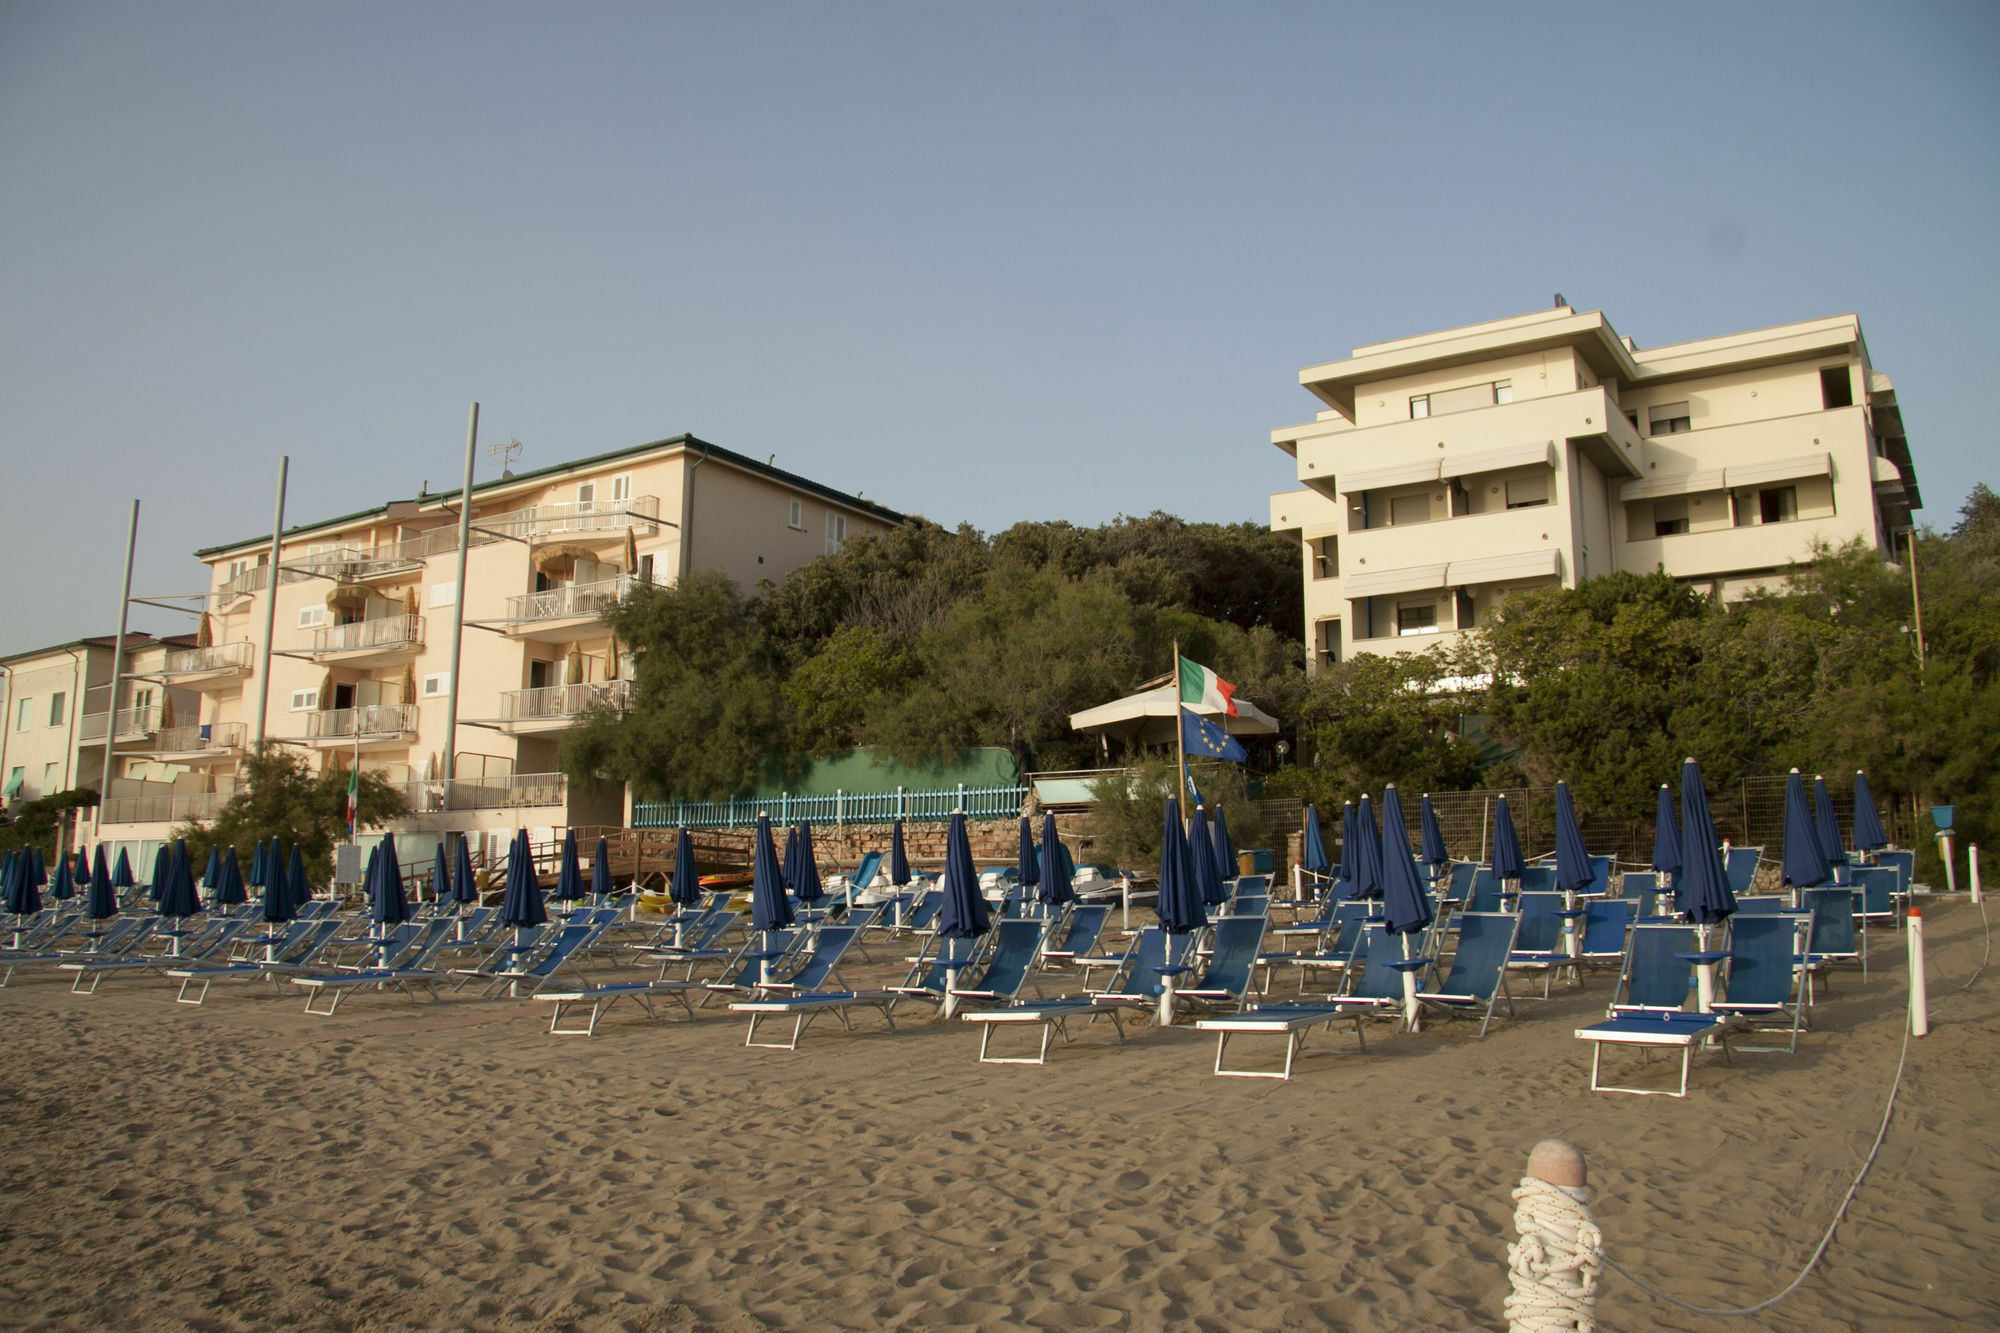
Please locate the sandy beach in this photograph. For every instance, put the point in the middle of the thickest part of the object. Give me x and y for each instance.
(417, 1165)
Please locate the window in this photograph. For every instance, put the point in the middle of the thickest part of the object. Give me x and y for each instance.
(141, 701)
(1670, 419)
(15, 777)
(1325, 557)
(305, 701)
(1527, 492)
(1670, 517)
(51, 778)
(1440, 401)
(795, 515)
(621, 489)
(437, 685)
(1416, 618)
(645, 569)
(23, 717)
(836, 533)
(1420, 406)
(1633, 417)
(312, 617)
(237, 569)
(1836, 387)
(1409, 509)
(444, 594)
(1503, 391)
(586, 494)
(1326, 642)
(1468, 610)
(1777, 504)
(57, 712)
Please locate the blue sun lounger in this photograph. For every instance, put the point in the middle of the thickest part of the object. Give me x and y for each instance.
(1477, 982)
(1377, 994)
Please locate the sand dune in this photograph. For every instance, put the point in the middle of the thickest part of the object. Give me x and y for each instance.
(244, 1166)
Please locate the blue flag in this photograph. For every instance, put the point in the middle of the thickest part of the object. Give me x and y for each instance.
(1202, 739)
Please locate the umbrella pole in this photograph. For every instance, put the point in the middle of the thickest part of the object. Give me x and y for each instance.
(1704, 972)
(1410, 1006)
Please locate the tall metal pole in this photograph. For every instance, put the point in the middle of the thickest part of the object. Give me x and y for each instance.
(458, 607)
(1180, 735)
(1916, 600)
(117, 655)
(270, 608)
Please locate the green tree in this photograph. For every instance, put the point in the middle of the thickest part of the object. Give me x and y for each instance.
(278, 795)
(1376, 719)
(835, 694)
(43, 821)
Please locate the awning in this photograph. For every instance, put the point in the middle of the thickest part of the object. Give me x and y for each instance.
(1780, 469)
(13, 784)
(1888, 477)
(1506, 568)
(1685, 483)
(1381, 583)
(1539, 454)
(1402, 474)
(1151, 717)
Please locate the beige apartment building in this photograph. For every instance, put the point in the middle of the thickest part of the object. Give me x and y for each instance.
(55, 704)
(1448, 470)
(361, 655)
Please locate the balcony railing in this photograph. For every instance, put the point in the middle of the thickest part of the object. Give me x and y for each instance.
(381, 632)
(142, 721)
(538, 522)
(555, 702)
(513, 792)
(162, 809)
(574, 599)
(208, 736)
(361, 723)
(201, 661)
(255, 579)
(366, 562)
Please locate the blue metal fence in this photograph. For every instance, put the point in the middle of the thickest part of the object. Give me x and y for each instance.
(875, 807)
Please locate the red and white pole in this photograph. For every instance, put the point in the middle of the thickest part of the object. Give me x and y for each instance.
(1920, 1016)
(1972, 858)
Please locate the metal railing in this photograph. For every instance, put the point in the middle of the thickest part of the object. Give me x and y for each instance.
(573, 599)
(142, 721)
(842, 807)
(208, 736)
(197, 661)
(563, 701)
(381, 632)
(516, 791)
(537, 522)
(256, 579)
(364, 562)
(371, 720)
(162, 809)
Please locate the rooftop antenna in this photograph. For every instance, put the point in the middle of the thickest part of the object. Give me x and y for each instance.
(505, 453)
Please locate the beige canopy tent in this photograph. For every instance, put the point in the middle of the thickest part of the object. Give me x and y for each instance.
(1150, 717)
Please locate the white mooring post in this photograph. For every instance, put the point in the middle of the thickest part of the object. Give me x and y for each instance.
(1920, 1014)
(1556, 1265)
(1972, 860)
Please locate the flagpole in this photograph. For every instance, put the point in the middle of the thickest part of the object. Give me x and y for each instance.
(1180, 735)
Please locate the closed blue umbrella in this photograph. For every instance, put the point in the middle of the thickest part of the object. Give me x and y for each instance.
(277, 906)
(81, 876)
(1027, 864)
(600, 870)
(296, 885)
(23, 896)
(39, 867)
(963, 915)
(1367, 850)
(1828, 826)
(788, 864)
(1704, 894)
(121, 873)
(463, 886)
(1350, 838)
(1405, 906)
(1507, 861)
(899, 862)
(1868, 834)
(391, 906)
(156, 883)
(1201, 859)
(1804, 863)
(211, 875)
(685, 887)
(1431, 837)
(521, 905)
(1055, 889)
(440, 875)
(62, 885)
(102, 900)
(1225, 847)
(1573, 870)
(229, 889)
(569, 872)
(1179, 905)
(806, 886)
(257, 867)
(177, 896)
(770, 909)
(1666, 835)
(1312, 847)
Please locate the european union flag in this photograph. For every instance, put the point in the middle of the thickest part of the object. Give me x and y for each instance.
(1203, 739)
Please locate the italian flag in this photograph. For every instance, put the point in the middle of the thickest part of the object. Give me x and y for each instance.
(1204, 690)
(353, 796)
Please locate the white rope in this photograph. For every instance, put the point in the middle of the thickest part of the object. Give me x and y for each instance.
(1556, 1265)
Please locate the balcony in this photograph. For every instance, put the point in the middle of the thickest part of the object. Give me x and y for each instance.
(556, 707)
(376, 642)
(562, 615)
(209, 668)
(162, 809)
(577, 520)
(360, 564)
(134, 724)
(372, 726)
(516, 791)
(204, 744)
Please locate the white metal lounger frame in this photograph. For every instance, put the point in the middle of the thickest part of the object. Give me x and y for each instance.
(602, 998)
(1687, 1037)
(340, 986)
(1291, 1022)
(1053, 1017)
(805, 1008)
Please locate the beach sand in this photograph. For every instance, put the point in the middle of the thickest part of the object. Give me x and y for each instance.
(449, 1165)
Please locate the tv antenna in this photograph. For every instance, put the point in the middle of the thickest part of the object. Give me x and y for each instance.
(505, 453)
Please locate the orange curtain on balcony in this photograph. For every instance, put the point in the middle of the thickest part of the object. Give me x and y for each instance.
(204, 637)
(631, 552)
(351, 596)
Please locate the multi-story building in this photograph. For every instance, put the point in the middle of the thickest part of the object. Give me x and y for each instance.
(360, 668)
(1448, 470)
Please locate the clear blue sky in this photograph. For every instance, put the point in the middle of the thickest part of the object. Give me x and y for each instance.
(980, 262)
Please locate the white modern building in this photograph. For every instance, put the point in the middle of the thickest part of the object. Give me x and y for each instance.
(1446, 470)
